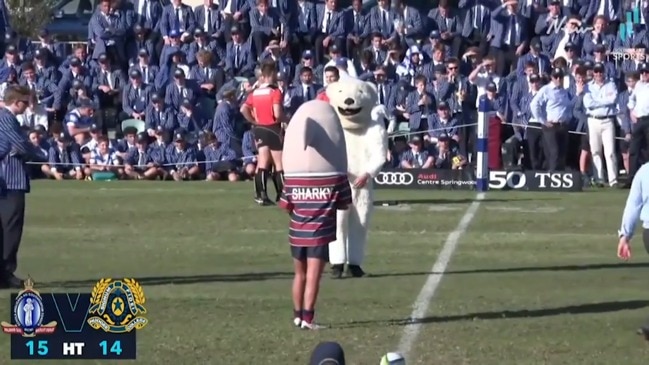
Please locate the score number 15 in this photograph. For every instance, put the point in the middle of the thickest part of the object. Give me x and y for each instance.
(37, 347)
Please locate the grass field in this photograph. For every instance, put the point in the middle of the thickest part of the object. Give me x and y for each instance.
(534, 279)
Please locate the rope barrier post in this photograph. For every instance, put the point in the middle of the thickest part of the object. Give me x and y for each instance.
(482, 174)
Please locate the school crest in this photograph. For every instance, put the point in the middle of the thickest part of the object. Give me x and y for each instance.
(117, 306)
(28, 313)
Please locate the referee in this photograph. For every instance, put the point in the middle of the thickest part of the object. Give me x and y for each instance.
(263, 108)
(14, 181)
(639, 107)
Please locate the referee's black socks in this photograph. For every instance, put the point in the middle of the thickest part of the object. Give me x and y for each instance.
(278, 181)
(261, 183)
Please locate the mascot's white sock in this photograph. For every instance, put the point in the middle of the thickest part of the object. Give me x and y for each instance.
(366, 143)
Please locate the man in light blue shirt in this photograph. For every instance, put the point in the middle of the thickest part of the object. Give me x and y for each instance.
(639, 112)
(635, 209)
(552, 107)
(601, 108)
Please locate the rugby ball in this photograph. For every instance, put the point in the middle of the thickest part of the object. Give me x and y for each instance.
(393, 358)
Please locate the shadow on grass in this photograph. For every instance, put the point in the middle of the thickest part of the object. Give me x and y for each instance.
(590, 308)
(179, 280)
(621, 265)
(455, 201)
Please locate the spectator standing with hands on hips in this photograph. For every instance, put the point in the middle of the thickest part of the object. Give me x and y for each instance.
(14, 181)
(552, 108)
(600, 101)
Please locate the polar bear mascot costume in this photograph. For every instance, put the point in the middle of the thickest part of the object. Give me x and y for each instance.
(367, 144)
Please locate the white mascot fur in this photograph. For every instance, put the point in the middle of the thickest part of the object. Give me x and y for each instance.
(367, 144)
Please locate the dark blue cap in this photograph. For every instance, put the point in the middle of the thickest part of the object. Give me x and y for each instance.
(556, 72)
(328, 353)
(63, 138)
(94, 128)
(43, 33)
(179, 136)
(434, 34)
(85, 103)
(11, 49)
(77, 84)
(341, 62)
(492, 86)
(75, 61)
(307, 54)
(103, 58)
(179, 73)
(187, 103)
(143, 52)
(135, 74)
(142, 137)
(174, 33)
(156, 97)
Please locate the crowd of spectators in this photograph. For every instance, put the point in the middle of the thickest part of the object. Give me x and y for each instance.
(183, 73)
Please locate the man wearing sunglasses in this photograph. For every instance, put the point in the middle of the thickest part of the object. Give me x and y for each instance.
(15, 178)
(552, 108)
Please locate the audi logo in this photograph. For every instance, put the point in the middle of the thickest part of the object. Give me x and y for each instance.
(394, 178)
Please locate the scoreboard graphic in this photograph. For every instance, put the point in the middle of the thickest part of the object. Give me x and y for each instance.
(97, 325)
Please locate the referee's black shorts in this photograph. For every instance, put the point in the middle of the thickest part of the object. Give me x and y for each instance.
(316, 252)
(269, 136)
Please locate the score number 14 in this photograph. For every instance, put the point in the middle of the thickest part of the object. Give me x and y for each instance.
(115, 348)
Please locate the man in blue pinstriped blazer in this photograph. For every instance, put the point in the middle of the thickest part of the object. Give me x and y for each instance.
(14, 182)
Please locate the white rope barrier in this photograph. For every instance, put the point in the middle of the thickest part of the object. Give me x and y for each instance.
(250, 158)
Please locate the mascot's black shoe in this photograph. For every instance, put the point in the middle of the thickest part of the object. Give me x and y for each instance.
(337, 271)
(355, 271)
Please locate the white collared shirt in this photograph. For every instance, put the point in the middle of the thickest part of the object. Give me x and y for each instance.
(481, 83)
(179, 10)
(328, 15)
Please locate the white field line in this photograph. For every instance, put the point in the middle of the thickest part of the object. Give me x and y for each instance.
(421, 304)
